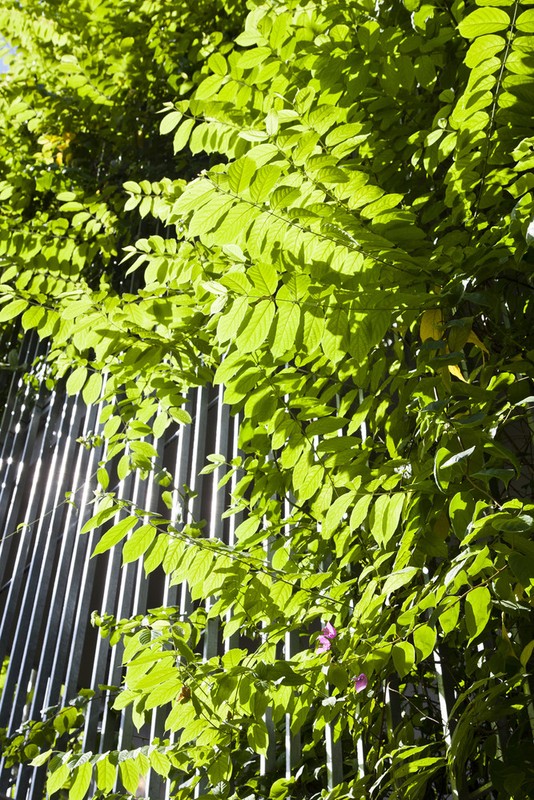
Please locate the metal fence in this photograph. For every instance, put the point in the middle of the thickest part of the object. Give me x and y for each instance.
(49, 584)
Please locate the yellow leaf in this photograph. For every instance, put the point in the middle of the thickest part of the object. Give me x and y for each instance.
(455, 370)
(473, 338)
(431, 324)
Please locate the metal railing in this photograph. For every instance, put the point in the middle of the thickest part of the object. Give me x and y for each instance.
(49, 584)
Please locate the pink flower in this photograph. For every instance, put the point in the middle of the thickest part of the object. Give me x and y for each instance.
(325, 644)
(360, 683)
(325, 639)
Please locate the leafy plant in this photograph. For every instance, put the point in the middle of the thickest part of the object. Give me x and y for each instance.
(352, 264)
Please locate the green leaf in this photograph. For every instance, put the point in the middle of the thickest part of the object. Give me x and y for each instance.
(523, 568)
(220, 768)
(264, 181)
(257, 737)
(106, 774)
(195, 194)
(129, 774)
(138, 543)
(461, 509)
(403, 657)
(181, 137)
(477, 610)
(115, 534)
(160, 763)
(129, 186)
(240, 174)
(209, 215)
(264, 277)
(93, 387)
(253, 57)
(335, 336)
(336, 512)
(283, 197)
(457, 457)
(332, 175)
(483, 21)
(124, 467)
(217, 64)
(163, 693)
(160, 424)
(32, 317)
(325, 425)
(57, 779)
(398, 579)
(281, 788)
(231, 320)
(288, 319)
(76, 380)
(314, 324)
(245, 533)
(13, 309)
(360, 415)
(179, 716)
(234, 253)
(82, 780)
(252, 135)
(526, 654)
(483, 48)
(386, 515)
(360, 511)
(65, 720)
(448, 619)
(424, 639)
(41, 759)
(256, 331)
(525, 22)
(170, 122)
(338, 677)
(102, 516)
(208, 87)
(237, 282)
(308, 481)
(144, 450)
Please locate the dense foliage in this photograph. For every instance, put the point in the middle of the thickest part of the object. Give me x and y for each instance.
(352, 263)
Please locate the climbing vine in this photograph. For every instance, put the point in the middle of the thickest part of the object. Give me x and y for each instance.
(351, 261)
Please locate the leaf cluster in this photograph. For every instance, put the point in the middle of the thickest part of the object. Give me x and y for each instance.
(351, 263)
